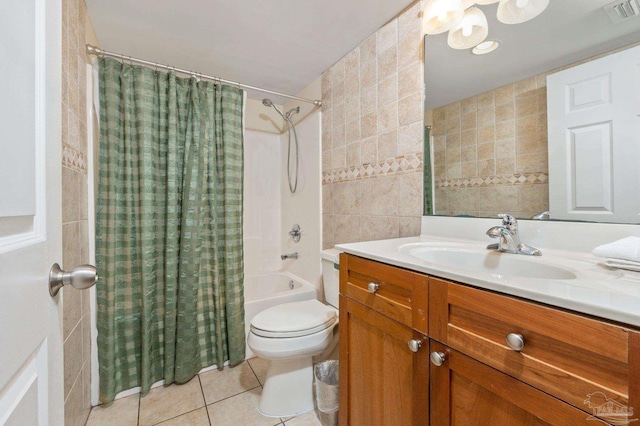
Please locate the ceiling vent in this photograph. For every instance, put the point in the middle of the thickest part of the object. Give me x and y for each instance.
(619, 11)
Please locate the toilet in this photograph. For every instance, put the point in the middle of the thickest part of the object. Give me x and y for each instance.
(290, 336)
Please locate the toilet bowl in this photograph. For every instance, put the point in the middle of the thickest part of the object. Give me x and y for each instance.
(290, 335)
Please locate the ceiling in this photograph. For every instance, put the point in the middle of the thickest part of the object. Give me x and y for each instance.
(282, 45)
(566, 32)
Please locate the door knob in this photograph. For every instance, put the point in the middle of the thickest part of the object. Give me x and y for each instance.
(82, 277)
(415, 345)
(373, 287)
(437, 358)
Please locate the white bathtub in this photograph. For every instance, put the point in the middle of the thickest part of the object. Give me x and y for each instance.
(263, 291)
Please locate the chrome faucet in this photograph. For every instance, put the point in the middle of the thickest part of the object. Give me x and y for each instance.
(509, 238)
(542, 216)
(293, 255)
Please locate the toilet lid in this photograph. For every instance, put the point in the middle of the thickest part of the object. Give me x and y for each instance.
(293, 319)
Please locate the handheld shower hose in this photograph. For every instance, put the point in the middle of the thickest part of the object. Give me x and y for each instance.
(293, 186)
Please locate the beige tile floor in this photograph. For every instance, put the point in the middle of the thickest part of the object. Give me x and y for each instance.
(218, 398)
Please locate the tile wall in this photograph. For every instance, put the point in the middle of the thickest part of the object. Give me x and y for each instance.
(372, 136)
(490, 152)
(75, 236)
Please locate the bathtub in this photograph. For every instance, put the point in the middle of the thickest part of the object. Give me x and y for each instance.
(263, 291)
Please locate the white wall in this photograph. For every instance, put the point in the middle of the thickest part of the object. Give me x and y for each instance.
(261, 118)
(270, 210)
(262, 210)
(304, 206)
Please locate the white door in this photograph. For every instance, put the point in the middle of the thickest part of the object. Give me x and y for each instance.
(594, 140)
(31, 376)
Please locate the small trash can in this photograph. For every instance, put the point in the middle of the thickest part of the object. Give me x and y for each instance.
(326, 375)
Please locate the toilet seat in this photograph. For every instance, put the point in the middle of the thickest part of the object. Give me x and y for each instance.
(294, 319)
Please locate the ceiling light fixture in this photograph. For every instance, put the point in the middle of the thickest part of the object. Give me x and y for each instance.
(519, 11)
(440, 16)
(471, 31)
(467, 24)
(485, 47)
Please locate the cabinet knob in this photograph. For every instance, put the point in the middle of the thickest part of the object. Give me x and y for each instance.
(437, 358)
(515, 341)
(415, 345)
(373, 287)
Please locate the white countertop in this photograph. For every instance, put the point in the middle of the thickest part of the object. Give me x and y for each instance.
(612, 294)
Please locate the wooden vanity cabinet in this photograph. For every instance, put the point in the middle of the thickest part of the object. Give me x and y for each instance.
(506, 361)
(382, 381)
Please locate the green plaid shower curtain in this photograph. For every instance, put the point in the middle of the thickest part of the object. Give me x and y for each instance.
(168, 227)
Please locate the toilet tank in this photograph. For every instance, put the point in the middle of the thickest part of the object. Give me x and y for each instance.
(331, 275)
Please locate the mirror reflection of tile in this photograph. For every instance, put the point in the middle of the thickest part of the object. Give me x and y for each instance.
(490, 150)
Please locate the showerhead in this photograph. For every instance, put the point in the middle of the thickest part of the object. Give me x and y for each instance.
(269, 103)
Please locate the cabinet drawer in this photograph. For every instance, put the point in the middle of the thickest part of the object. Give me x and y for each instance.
(395, 292)
(565, 355)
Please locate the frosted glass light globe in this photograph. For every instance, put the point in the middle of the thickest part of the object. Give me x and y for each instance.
(518, 11)
(440, 16)
(471, 31)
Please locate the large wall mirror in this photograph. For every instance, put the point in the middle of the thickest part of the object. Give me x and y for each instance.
(496, 141)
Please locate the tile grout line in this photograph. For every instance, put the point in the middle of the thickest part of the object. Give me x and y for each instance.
(204, 399)
(139, 408)
(280, 423)
(254, 373)
(187, 412)
(78, 324)
(232, 396)
(75, 382)
(180, 415)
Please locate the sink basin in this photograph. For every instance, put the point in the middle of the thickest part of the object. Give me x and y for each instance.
(492, 262)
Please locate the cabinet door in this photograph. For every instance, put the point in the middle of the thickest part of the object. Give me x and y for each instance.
(382, 382)
(467, 392)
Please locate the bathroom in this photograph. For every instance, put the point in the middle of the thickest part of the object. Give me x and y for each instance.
(361, 169)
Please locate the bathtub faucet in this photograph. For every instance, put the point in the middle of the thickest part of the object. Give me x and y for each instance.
(293, 255)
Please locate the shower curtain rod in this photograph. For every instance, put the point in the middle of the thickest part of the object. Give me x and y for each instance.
(92, 50)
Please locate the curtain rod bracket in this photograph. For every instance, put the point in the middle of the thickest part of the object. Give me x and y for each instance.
(92, 50)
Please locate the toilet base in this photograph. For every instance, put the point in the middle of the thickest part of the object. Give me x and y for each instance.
(288, 389)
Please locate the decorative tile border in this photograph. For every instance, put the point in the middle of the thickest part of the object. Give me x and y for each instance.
(400, 165)
(515, 179)
(74, 159)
